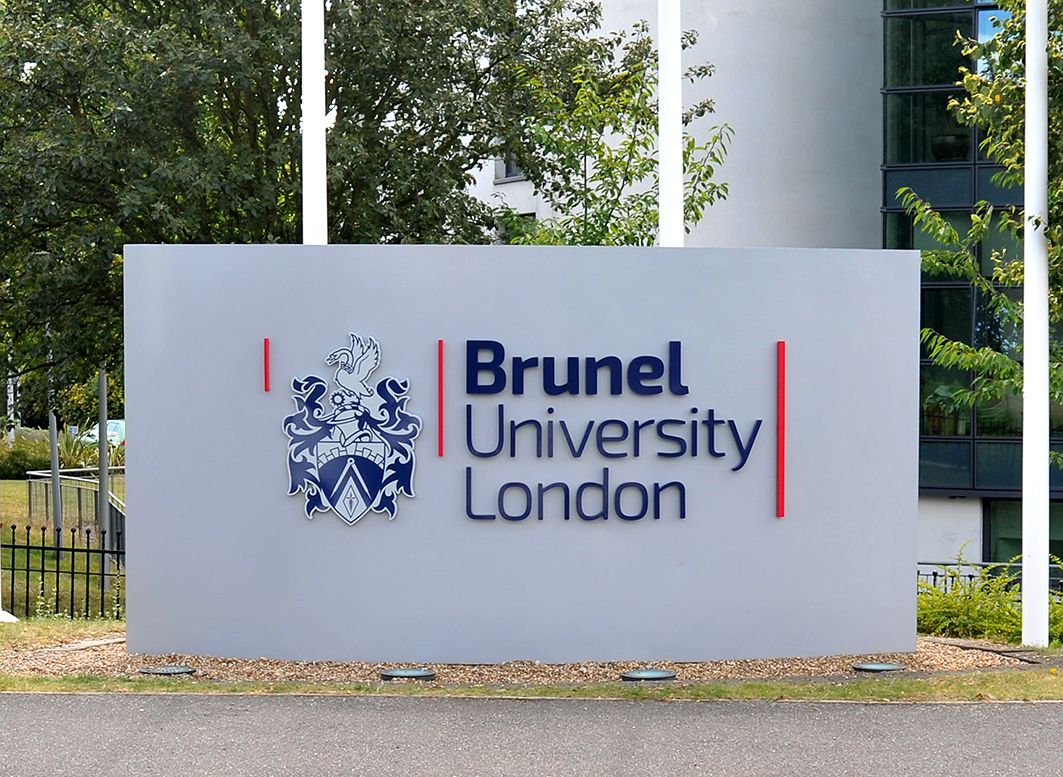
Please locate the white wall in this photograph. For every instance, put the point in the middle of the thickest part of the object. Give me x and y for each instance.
(799, 82)
(945, 525)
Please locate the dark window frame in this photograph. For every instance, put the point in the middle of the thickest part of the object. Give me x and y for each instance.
(977, 167)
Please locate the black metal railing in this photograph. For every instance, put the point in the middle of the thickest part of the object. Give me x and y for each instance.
(79, 499)
(77, 573)
(945, 577)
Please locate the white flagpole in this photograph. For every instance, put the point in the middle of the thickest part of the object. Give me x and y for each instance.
(315, 196)
(1035, 494)
(670, 230)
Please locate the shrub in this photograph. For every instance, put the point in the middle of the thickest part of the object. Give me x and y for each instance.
(28, 452)
(982, 605)
(75, 453)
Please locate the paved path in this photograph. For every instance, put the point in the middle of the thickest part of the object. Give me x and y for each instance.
(116, 736)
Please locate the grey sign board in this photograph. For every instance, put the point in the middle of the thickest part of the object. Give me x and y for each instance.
(479, 454)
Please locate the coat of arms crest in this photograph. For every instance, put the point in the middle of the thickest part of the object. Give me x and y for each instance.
(351, 452)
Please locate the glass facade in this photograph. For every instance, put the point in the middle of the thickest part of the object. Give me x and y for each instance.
(920, 50)
(918, 131)
(964, 450)
(1002, 530)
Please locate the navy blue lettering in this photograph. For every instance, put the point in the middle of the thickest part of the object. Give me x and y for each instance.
(694, 434)
(549, 435)
(680, 443)
(531, 422)
(550, 384)
(710, 423)
(744, 449)
(468, 434)
(675, 369)
(519, 367)
(485, 373)
(639, 426)
(492, 366)
(618, 501)
(522, 488)
(658, 489)
(577, 452)
(564, 490)
(603, 437)
(602, 487)
(616, 374)
(468, 499)
(643, 369)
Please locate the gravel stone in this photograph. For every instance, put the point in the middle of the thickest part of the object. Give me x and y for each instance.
(108, 658)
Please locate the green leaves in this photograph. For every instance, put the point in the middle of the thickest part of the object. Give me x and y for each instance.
(592, 150)
(130, 124)
(178, 122)
(993, 103)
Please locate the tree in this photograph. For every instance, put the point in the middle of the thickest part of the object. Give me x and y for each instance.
(593, 149)
(137, 121)
(123, 123)
(993, 103)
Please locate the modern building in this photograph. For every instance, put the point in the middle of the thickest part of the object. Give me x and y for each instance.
(970, 459)
(835, 105)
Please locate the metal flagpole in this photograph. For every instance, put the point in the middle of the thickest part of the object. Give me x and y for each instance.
(670, 230)
(1035, 335)
(315, 197)
(5, 616)
(103, 507)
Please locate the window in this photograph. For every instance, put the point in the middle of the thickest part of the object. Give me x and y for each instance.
(1003, 529)
(940, 414)
(506, 170)
(920, 128)
(921, 50)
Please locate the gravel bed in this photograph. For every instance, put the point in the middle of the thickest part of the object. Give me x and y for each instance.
(112, 660)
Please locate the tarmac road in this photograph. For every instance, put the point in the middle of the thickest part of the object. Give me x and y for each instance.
(116, 735)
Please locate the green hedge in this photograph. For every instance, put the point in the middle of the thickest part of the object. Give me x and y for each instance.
(28, 452)
(987, 606)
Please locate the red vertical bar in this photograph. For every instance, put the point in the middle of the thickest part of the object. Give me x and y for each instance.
(265, 364)
(439, 398)
(780, 429)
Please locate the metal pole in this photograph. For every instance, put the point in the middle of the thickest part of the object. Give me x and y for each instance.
(315, 193)
(670, 123)
(57, 496)
(11, 415)
(1035, 448)
(103, 511)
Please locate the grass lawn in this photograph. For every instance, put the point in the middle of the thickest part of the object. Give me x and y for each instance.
(1005, 685)
(15, 496)
(43, 632)
(13, 502)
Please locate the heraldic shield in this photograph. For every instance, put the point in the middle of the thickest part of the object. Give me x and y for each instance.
(354, 452)
(351, 477)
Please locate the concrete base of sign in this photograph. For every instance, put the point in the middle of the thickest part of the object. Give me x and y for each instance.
(6, 617)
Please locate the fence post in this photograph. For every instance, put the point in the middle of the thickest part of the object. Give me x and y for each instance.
(103, 512)
(57, 494)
